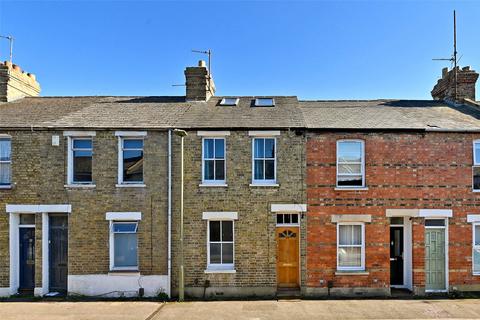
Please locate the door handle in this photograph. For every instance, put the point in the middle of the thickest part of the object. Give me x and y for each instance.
(393, 259)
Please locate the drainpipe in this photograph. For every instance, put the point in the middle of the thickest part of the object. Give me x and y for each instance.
(169, 276)
(181, 290)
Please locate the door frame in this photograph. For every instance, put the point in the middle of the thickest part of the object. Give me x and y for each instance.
(289, 225)
(407, 254)
(27, 226)
(445, 230)
(404, 262)
(14, 211)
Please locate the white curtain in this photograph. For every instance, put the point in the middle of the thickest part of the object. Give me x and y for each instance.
(350, 242)
(350, 234)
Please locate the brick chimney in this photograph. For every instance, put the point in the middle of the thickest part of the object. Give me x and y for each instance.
(16, 84)
(445, 87)
(200, 86)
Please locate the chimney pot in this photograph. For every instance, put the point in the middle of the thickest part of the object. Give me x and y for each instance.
(444, 72)
(202, 63)
(467, 68)
(17, 68)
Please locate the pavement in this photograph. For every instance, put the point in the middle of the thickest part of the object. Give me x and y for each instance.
(324, 309)
(245, 310)
(131, 310)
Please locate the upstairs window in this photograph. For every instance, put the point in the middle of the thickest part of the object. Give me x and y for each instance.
(264, 161)
(229, 102)
(5, 161)
(131, 161)
(214, 160)
(81, 154)
(476, 165)
(264, 102)
(350, 164)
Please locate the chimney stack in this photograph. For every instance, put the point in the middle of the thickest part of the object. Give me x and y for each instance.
(200, 86)
(16, 84)
(445, 87)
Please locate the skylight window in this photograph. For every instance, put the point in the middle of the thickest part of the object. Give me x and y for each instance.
(264, 102)
(229, 102)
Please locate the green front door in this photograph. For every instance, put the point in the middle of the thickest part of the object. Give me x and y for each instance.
(435, 259)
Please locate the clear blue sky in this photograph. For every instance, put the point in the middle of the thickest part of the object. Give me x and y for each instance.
(313, 49)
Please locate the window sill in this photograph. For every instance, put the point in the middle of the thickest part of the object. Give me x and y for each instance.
(475, 190)
(80, 186)
(126, 272)
(351, 188)
(264, 185)
(213, 185)
(6, 187)
(352, 273)
(220, 271)
(133, 185)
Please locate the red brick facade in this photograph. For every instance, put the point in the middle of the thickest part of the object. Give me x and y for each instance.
(416, 170)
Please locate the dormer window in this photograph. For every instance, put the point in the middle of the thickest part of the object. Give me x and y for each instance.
(264, 102)
(229, 102)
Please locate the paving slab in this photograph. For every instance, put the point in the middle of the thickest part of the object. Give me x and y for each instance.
(125, 310)
(322, 309)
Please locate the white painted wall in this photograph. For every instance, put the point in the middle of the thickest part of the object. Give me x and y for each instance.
(110, 285)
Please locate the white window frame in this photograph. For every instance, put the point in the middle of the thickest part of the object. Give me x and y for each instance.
(215, 182)
(224, 102)
(70, 174)
(259, 104)
(220, 266)
(362, 164)
(474, 272)
(287, 224)
(362, 246)
(121, 139)
(264, 181)
(112, 245)
(5, 137)
(476, 163)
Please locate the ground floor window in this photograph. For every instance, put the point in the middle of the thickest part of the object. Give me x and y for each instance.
(125, 245)
(476, 248)
(220, 244)
(350, 246)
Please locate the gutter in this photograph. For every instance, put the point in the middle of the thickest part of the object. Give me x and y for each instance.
(169, 219)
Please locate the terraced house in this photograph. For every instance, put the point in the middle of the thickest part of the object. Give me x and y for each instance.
(279, 196)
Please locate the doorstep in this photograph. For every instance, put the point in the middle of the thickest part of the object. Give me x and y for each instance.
(288, 293)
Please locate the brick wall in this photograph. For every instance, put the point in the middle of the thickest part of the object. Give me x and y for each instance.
(255, 245)
(39, 176)
(403, 170)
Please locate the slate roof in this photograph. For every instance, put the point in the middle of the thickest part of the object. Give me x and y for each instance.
(390, 114)
(147, 112)
(174, 112)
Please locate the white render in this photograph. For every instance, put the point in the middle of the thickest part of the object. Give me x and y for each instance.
(296, 207)
(123, 216)
(220, 215)
(116, 285)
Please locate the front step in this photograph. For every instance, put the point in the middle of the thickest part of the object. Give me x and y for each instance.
(288, 293)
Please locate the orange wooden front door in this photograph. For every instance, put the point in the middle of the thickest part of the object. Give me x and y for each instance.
(287, 257)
